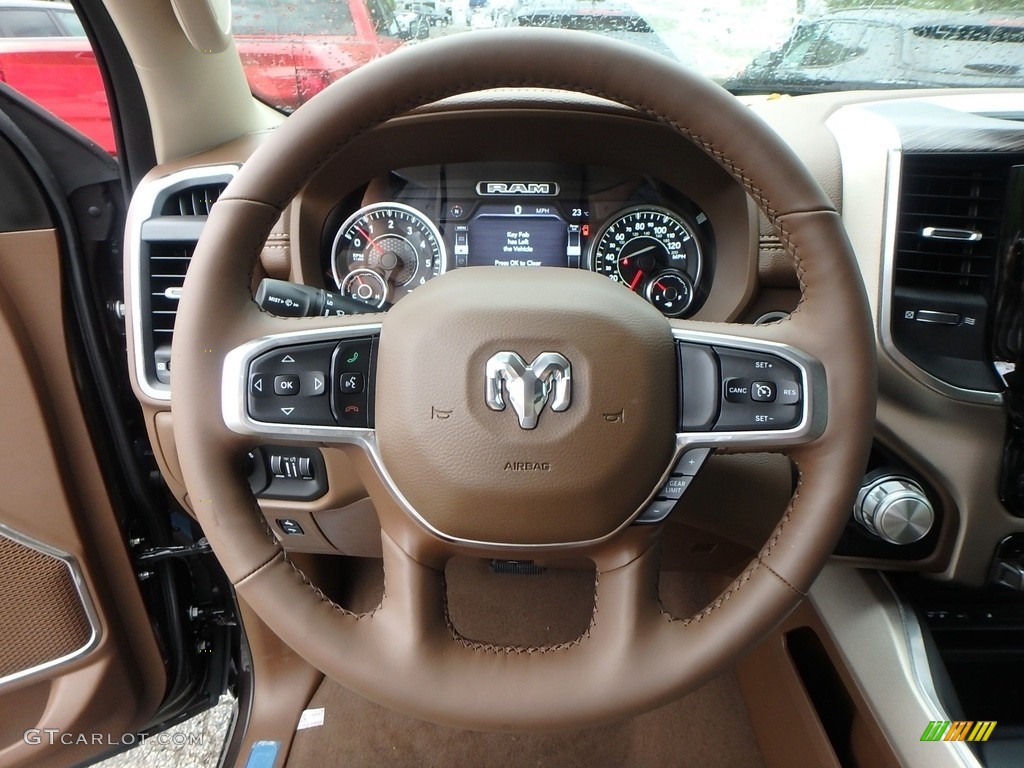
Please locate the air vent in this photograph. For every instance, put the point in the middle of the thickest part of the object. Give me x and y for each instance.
(194, 201)
(948, 229)
(165, 221)
(945, 267)
(168, 263)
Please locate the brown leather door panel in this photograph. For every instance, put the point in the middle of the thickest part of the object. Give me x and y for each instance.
(78, 659)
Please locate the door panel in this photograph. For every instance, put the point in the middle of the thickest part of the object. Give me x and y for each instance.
(77, 652)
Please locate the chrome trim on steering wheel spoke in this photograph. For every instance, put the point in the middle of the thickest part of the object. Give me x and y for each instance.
(814, 400)
(234, 385)
(812, 423)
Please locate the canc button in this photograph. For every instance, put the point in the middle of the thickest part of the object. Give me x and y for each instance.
(737, 390)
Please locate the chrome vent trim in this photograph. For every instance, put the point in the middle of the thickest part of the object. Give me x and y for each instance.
(165, 220)
(949, 219)
(871, 143)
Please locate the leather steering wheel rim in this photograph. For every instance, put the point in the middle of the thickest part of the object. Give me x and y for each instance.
(634, 656)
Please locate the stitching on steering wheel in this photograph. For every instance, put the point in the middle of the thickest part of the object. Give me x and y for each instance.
(737, 173)
(748, 572)
(517, 650)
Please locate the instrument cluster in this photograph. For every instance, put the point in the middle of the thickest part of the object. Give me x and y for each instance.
(417, 223)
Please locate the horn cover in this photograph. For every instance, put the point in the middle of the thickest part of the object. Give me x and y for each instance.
(602, 437)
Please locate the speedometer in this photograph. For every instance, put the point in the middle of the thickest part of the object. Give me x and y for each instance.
(645, 248)
(397, 242)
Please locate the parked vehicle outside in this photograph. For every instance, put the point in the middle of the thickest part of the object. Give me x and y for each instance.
(290, 52)
(45, 54)
(892, 47)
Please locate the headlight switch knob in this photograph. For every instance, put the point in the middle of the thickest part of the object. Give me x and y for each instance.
(894, 507)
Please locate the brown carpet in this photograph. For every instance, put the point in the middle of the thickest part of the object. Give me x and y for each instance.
(709, 728)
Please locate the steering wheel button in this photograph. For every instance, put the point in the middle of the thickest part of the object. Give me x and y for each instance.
(758, 417)
(656, 512)
(286, 384)
(353, 356)
(351, 383)
(763, 391)
(675, 487)
(258, 385)
(291, 410)
(691, 461)
(737, 391)
(789, 393)
(352, 411)
(313, 383)
(699, 387)
(293, 359)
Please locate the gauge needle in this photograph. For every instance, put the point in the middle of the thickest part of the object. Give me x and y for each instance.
(370, 241)
(624, 259)
(636, 280)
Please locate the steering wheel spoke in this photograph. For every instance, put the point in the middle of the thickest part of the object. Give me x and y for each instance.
(315, 384)
(515, 421)
(745, 388)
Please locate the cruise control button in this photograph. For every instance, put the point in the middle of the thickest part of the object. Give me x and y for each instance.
(763, 391)
(789, 393)
(286, 384)
(737, 391)
(758, 416)
(773, 402)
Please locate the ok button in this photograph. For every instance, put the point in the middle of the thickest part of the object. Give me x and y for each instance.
(287, 384)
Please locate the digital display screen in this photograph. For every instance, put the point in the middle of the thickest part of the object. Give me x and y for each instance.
(527, 239)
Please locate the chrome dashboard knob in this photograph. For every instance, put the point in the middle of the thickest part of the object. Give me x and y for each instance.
(894, 508)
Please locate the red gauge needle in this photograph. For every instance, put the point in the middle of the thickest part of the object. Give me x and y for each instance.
(636, 281)
(659, 285)
(370, 241)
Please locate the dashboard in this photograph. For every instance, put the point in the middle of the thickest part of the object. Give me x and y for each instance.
(531, 188)
(416, 223)
(527, 186)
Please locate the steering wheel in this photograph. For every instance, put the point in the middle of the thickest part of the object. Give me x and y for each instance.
(622, 401)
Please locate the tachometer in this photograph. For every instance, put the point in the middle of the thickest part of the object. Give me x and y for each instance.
(644, 242)
(394, 240)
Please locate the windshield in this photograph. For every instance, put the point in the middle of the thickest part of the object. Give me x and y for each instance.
(292, 50)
